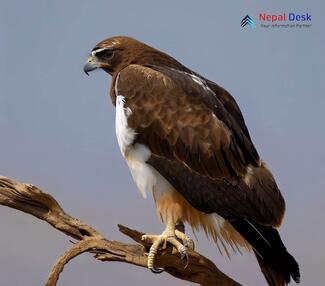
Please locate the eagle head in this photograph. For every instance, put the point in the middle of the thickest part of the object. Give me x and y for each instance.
(116, 53)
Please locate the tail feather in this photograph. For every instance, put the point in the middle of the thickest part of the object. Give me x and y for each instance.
(276, 263)
(272, 277)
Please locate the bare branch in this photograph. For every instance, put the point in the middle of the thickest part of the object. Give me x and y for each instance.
(32, 200)
(77, 249)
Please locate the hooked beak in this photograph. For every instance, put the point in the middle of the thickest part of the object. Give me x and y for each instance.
(91, 65)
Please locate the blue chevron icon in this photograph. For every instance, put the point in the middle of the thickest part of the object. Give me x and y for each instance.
(248, 21)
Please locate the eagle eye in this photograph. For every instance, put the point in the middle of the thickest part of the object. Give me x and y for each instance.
(105, 53)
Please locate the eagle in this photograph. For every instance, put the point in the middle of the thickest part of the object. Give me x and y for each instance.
(185, 141)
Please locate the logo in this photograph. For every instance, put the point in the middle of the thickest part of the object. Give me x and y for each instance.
(285, 17)
(248, 21)
(279, 20)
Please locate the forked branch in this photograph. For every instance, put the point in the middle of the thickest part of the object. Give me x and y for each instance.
(31, 200)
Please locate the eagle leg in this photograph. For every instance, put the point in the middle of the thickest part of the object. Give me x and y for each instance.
(160, 242)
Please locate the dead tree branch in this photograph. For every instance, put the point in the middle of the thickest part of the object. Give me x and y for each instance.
(31, 200)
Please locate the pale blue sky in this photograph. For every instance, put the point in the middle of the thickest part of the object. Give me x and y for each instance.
(57, 125)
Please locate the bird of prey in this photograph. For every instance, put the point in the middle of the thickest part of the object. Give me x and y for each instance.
(185, 141)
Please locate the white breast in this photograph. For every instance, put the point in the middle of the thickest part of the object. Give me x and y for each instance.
(125, 135)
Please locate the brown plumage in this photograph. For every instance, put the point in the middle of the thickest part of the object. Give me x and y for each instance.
(198, 146)
(196, 132)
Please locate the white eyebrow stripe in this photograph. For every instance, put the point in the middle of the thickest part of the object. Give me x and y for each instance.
(93, 53)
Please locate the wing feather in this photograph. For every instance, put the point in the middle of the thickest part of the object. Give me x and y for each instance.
(177, 115)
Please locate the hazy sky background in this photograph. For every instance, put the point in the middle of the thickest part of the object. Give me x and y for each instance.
(57, 125)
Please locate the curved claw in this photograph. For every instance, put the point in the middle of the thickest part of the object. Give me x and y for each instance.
(185, 257)
(189, 243)
(157, 270)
